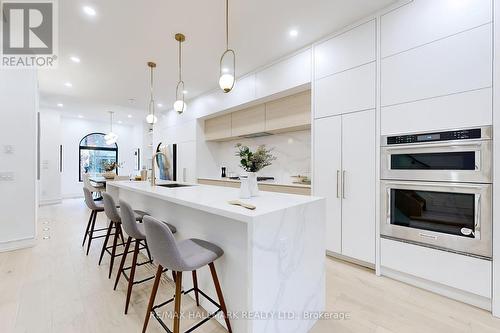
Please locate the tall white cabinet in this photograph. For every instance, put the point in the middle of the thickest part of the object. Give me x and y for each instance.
(344, 173)
(344, 139)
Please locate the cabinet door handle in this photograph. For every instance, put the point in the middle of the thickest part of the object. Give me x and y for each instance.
(338, 192)
(343, 184)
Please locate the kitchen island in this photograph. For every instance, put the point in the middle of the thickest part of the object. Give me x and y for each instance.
(272, 272)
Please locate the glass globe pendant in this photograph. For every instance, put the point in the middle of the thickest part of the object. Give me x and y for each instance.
(180, 105)
(151, 118)
(227, 77)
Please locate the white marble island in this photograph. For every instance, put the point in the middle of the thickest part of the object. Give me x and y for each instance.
(272, 272)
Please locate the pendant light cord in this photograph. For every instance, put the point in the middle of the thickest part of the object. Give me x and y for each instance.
(180, 60)
(227, 24)
(151, 100)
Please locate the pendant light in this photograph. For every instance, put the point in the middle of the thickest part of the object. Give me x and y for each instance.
(227, 76)
(111, 137)
(179, 104)
(151, 118)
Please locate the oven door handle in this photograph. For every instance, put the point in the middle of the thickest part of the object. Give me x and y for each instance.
(387, 205)
(477, 217)
(435, 145)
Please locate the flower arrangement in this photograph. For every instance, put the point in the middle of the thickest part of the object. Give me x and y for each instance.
(254, 161)
(110, 166)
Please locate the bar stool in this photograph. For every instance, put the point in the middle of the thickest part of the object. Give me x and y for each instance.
(93, 188)
(95, 208)
(136, 234)
(184, 256)
(113, 215)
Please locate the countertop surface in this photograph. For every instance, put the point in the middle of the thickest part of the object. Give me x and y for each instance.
(263, 182)
(214, 199)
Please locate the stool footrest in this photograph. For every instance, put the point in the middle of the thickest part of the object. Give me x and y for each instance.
(195, 326)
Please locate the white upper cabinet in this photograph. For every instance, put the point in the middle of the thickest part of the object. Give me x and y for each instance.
(347, 50)
(348, 91)
(458, 63)
(289, 73)
(423, 21)
(468, 109)
(243, 92)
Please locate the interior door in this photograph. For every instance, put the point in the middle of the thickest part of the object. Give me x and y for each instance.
(327, 173)
(358, 203)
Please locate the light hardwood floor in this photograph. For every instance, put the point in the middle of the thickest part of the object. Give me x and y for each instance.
(54, 287)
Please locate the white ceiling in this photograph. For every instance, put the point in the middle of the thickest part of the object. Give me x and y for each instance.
(115, 45)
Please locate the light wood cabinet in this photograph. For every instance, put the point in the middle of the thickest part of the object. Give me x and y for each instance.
(218, 128)
(291, 112)
(248, 121)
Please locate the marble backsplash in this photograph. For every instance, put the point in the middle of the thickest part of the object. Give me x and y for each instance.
(292, 151)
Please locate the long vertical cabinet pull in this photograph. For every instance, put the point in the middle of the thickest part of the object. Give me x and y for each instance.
(343, 184)
(338, 183)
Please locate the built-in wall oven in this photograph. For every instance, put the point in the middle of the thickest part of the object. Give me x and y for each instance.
(436, 189)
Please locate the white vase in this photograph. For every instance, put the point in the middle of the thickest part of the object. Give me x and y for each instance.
(244, 188)
(252, 184)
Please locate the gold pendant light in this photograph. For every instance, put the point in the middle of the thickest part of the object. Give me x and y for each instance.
(227, 76)
(180, 105)
(151, 117)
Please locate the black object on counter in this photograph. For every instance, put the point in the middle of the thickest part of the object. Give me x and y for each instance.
(223, 175)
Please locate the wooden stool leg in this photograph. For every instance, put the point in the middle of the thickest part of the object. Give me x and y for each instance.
(110, 227)
(195, 284)
(159, 271)
(132, 274)
(220, 296)
(122, 263)
(91, 232)
(113, 249)
(173, 276)
(147, 250)
(177, 309)
(88, 227)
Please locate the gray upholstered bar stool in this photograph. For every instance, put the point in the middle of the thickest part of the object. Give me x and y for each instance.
(95, 208)
(136, 234)
(184, 256)
(113, 214)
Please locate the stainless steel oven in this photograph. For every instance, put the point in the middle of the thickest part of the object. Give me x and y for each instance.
(436, 189)
(457, 156)
(453, 216)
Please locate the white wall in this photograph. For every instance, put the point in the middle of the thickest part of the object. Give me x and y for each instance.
(74, 129)
(18, 129)
(292, 151)
(50, 141)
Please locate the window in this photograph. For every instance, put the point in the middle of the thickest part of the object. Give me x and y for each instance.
(94, 152)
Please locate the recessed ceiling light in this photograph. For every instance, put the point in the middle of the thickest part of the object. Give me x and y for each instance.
(68, 84)
(293, 33)
(75, 59)
(129, 116)
(184, 92)
(60, 105)
(89, 11)
(80, 116)
(160, 105)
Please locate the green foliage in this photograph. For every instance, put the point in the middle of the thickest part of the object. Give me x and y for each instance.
(254, 161)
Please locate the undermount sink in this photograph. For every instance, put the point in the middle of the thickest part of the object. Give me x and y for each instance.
(173, 185)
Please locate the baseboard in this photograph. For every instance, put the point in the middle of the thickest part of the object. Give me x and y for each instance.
(49, 202)
(17, 244)
(440, 289)
(351, 260)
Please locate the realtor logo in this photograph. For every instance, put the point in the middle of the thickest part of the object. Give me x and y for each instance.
(28, 33)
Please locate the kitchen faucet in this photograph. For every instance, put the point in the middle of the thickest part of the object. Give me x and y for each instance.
(153, 171)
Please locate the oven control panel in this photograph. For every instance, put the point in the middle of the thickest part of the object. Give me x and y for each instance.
(465, 134)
